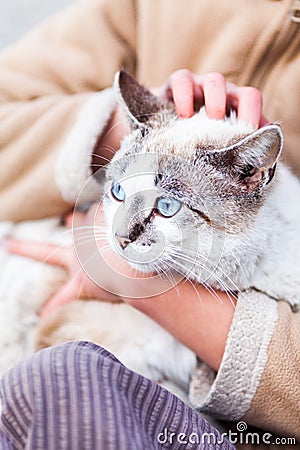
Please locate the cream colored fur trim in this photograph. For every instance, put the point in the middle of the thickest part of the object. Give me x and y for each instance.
(229, 395)
(73, 165)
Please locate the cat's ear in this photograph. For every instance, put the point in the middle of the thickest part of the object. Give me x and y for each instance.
(252, 160)
(138, 102)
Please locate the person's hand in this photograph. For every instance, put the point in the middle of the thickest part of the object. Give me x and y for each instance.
(79, 285)
(83, 261)
(190, 91)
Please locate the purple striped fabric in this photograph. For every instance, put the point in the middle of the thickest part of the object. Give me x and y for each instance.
(77, 396)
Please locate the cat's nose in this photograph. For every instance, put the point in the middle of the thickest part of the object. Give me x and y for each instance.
(123, 240)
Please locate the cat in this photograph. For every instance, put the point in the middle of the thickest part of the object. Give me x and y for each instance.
(195, 197)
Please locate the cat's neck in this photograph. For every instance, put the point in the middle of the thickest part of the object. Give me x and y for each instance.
(276, 238)
(279, 271)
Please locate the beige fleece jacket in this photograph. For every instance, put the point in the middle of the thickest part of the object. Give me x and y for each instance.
(55, 100)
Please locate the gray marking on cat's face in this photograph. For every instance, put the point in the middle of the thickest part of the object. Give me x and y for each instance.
(218, 171)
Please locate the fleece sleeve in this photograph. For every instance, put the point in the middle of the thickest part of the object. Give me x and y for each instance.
(259, 377)
(55, 100)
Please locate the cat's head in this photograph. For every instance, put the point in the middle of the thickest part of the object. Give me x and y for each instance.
(180, 186)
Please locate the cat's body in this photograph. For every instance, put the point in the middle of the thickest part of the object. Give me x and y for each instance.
(196, 196)
(235, 223)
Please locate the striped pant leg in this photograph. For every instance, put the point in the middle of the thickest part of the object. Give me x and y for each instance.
(78, 396)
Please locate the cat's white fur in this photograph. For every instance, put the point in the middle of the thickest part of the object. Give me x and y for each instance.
(184, 133)
(24, 287)
(279, 269)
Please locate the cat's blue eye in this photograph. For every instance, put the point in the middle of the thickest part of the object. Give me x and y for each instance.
(118, 192)
(168, 206)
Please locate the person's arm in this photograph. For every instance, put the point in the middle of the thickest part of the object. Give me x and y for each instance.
(253, 347)
(54, 104)
(197, 317)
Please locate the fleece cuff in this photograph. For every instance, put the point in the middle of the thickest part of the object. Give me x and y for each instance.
(73, 166)
(228, 394)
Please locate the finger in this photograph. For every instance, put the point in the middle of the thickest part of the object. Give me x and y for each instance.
(48, 253)
(182, 87)
(65, 295)
(249, 105)
(214, 88)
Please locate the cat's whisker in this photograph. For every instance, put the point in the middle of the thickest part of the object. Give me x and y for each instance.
(109, 148)
(202, 266)
(182, 272)
(69, 232)
(160, 271)
(92, 237)
(87, 241)
(91, 233)
(89, 227)
(115, 125)
(178, 253)
(99, 156)
(168, 273)
(105, 161)
(163, 269)
(213, 292)
(105, 147)
(98, 166)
